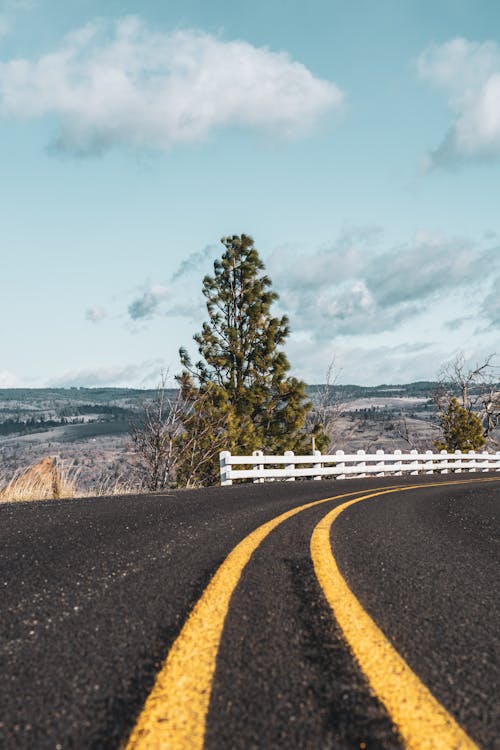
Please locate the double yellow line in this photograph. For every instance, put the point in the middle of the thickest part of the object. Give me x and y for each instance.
(174, 715)
(422, 722)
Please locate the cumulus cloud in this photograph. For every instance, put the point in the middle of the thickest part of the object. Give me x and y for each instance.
(144, 373)
(330, 265)
(146, 305)
(469, 74)
(353, 289)
(417, 272)
(95, 314)
(129, 85)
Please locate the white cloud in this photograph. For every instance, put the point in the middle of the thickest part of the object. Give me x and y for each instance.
(419, 271)
(182, 300)
(146, 305)
(127, 376)
(469, 74)
(374, 363)
(352, 288)
(367, 364)
(142, 88)
(95, 314)
(9, 380)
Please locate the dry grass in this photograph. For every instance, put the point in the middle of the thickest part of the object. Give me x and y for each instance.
(48, 479)
(108, 486)
(51, 479)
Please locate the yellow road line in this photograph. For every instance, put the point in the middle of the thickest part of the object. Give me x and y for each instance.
(174, 714)
(422, 722)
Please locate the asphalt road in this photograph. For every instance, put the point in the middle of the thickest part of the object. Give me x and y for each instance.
(95, 592)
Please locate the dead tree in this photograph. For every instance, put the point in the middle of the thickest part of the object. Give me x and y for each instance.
(468, 381)
(490, 409)
(154, 433)
(477, 387)
(328, 404)
(175, 438)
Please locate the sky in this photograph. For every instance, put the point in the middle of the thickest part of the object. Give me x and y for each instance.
(357, 142)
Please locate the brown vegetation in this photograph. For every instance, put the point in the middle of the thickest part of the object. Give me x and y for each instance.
(45, 480)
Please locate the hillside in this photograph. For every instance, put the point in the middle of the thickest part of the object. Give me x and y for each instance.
(88, 428)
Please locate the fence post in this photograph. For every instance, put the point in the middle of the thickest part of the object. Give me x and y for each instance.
(398, 464)
(414, 463)
(443, 461)
(340, 465)
(361, 464)
(258, 480)
(380, 464)
(429, 464)
(497, 461)
(471, 461)
(317, 466)
(225, 468)
(289, 466)
(458, 462)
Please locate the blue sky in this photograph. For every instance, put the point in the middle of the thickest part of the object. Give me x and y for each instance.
(357, 142)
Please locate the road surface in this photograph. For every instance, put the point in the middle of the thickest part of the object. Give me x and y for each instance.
(95, 593)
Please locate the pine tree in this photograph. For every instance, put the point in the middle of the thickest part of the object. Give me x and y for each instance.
(242, 357)
(462, 429)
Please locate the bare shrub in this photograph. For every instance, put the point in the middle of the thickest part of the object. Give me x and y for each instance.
(478, 390)
(154, 433)
(328, 406)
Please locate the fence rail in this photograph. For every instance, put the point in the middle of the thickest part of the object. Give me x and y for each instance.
(342, 465)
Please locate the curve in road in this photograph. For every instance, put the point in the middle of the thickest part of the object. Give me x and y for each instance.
(175, 713)
(422, 722)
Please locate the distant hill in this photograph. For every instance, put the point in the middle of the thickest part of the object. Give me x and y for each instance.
(97, 411)
(420, 389)
(131, 396)
(85, 411)
(78, 395)
(29, 410)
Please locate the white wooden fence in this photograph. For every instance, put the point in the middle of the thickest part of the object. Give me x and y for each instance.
(342, 465)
